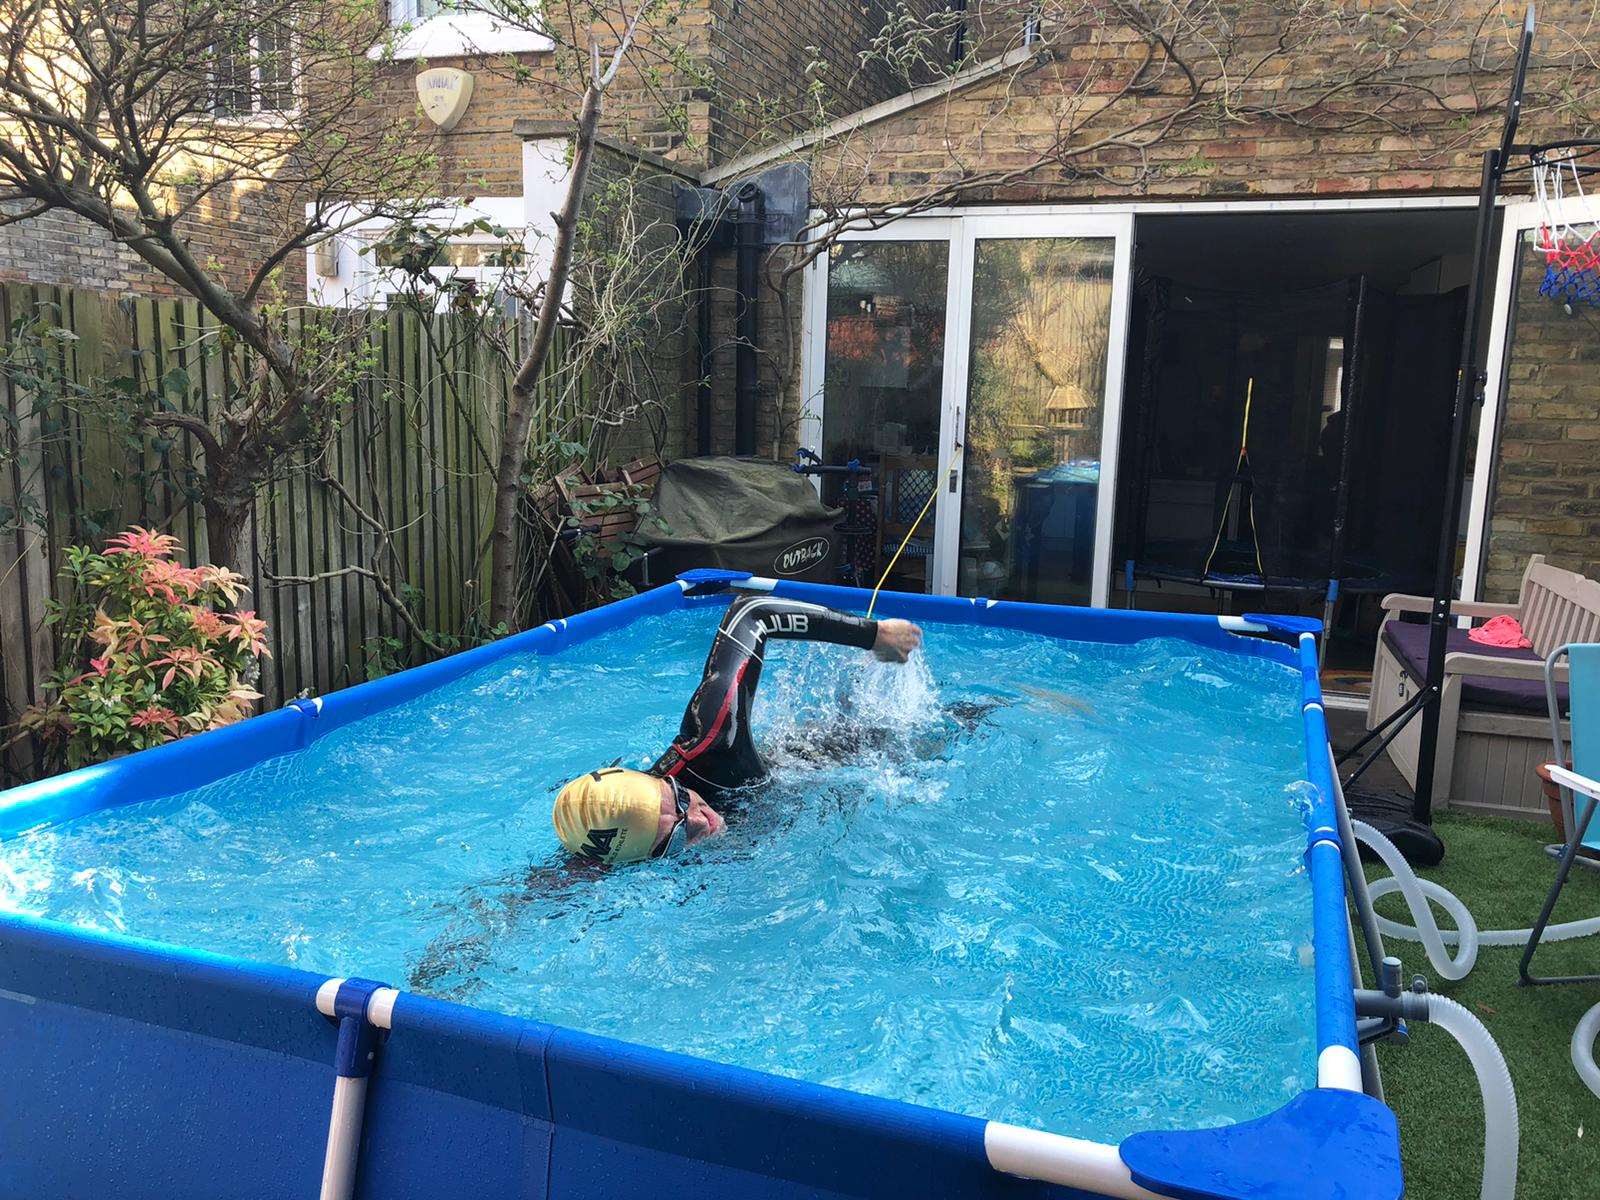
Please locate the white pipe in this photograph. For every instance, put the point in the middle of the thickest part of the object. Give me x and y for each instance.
(380, 1009)
(1240, 625)
(344, 1138)
(1499, 1098)
(1494, 1080)
(326, 994)
(1338, 1067)
(1583, 1037)
(1466, 935)
(349, 1095)
(1404, 880)
(1072, 1162)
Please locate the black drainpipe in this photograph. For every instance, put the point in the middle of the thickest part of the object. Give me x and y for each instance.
(702, 346)
(752, 216)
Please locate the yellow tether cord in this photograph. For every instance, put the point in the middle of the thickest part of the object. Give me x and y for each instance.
(1244, 455)
(932, 496)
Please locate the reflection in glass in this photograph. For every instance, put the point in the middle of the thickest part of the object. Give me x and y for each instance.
(882, 385)
(1041, 316)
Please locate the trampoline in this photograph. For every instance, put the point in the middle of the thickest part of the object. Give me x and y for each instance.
(146, 1070)
(1257, 472)
(1233, 570)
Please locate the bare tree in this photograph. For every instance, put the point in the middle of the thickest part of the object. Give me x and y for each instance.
(598, 41)
(165, 123)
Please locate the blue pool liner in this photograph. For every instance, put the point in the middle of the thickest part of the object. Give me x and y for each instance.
(204, 1076)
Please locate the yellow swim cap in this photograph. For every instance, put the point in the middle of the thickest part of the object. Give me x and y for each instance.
(612, 815)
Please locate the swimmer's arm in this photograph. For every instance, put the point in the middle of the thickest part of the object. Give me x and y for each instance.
(891, 640)
(797, 621)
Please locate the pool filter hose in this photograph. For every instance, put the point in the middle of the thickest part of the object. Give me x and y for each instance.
(1494, 1081)
(1466, 936)
(1583, 1036)
(1499, 1098)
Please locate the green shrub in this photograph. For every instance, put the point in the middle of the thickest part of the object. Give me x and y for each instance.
(150, 650)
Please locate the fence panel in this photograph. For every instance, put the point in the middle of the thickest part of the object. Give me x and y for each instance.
(412, 454)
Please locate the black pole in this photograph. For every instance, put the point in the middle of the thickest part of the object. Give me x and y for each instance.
(747, 326)
(1469, 384)
(702, 347)
(1350, 402)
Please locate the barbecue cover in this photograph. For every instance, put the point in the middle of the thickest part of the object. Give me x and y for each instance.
(740, 514)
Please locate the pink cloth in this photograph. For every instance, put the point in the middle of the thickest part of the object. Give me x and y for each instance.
(1501, 631)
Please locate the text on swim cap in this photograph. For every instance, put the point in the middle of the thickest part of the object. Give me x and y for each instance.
(599, 843)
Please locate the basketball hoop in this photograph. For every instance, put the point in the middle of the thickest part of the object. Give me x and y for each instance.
(1571, 256)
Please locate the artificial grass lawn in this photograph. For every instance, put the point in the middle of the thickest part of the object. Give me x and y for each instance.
(1500, 870)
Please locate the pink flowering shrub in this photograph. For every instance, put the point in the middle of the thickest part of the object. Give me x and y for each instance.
(150, 650)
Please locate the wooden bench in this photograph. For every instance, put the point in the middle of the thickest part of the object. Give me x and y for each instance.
(1494, 727)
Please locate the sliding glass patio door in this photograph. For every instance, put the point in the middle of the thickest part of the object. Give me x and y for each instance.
(884, 324)
(975, 363)
(1543, 365)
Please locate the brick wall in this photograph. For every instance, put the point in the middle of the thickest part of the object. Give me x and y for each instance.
(1428, 141)
(777, 365)
(1547, 485)
(765, 55)
(755, 52)
(482, 154)
(60, 248)
(1428, 136)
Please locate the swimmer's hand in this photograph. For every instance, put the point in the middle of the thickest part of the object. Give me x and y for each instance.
(896, 640)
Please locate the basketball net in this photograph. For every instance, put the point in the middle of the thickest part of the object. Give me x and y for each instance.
(1571, 255)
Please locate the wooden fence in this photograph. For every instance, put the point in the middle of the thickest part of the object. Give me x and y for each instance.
(413, 450)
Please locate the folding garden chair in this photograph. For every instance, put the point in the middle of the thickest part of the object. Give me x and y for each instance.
(1580, 785)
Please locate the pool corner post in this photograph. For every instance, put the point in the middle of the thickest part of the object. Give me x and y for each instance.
(363, 1010)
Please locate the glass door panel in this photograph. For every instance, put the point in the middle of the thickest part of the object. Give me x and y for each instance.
(1542, 502)
(883, 388)
(1040, 348)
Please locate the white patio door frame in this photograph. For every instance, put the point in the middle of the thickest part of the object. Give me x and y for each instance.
(962, 233)
(1516, 220)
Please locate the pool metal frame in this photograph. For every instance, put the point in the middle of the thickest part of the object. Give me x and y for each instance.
(138, 1069)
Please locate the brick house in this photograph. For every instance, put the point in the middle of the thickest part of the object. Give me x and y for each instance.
(1302, 234)
(741, 70)
(1065, 340)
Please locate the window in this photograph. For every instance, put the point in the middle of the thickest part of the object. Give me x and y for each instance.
(454, 255)
(254, 72)
(470, 247)
(412, 12)
(450, 28)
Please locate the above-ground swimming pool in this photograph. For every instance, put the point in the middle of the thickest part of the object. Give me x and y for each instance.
(1060, 900)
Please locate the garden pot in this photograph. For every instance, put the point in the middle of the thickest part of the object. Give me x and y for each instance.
(1552, 797)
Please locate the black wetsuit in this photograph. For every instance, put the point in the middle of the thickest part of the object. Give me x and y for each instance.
(713, 751)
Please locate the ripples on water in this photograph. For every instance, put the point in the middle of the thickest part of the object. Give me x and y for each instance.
(1045, 882)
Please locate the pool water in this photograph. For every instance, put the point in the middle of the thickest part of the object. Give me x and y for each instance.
(1047, 882)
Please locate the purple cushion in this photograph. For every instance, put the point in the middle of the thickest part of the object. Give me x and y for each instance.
(1409, 641)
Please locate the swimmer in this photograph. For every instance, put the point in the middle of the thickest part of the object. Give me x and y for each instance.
(614, 815)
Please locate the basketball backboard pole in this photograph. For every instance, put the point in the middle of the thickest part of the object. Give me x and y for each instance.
(1470, 382)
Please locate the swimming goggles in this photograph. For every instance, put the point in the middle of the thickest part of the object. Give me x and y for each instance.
(679, 837)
